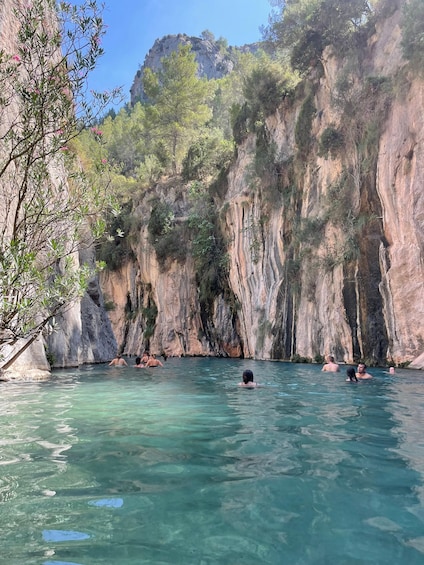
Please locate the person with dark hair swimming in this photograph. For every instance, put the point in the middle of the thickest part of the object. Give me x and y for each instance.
(351, 374)
(248, 381)
(138, 362)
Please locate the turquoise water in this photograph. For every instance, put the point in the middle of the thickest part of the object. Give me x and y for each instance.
(177, 465)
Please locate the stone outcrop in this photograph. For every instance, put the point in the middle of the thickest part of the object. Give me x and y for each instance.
(352, 286)
(83, 331)
(213, 61)
(156, 307)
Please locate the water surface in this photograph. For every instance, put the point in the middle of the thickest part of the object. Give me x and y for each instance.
(178, 465)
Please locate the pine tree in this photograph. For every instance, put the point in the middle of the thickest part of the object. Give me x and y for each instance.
(178, 103)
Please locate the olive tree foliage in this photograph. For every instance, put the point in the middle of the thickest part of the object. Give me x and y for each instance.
(178, 104)
(47, 203)
(306, 27)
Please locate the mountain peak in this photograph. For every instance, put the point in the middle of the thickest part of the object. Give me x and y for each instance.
(214, 58)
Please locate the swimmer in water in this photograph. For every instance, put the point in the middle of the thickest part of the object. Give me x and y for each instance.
(118, 362)
(362, 372)
(153, 362)
(351, 375)
(138, 363)
(248, 381)
(331, 366)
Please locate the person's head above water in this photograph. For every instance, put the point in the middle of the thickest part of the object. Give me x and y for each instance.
(247, 376)
(351, 374)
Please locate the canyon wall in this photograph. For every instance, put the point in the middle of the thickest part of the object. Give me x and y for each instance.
(325, 248)
(156, 306)
(83, 332)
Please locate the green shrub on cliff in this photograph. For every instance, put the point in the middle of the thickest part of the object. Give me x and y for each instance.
(160, 221)
(303, 130)
(331, 142)
(116, 249)
(264, 89)
(413, 33)
(172, 245)
(306, 27)
(168, 238)
(207, 246)
(207, 156)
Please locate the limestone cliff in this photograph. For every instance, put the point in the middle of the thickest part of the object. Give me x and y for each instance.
(325, 244)
(157, 306)
(83, 332)
(213, 60)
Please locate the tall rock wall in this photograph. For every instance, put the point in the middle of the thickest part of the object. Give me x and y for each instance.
(83, 331)
(362, 303)
(156, 305)
(400, 189)
(326, 249)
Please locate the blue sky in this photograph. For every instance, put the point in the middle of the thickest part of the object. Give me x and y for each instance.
(134, 25)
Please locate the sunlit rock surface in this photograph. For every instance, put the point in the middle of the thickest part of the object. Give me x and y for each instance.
(370, 306)
(213, 62)
(83, 333)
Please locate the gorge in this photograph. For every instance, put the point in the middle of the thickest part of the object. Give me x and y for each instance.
(309, 241)
(324, 240)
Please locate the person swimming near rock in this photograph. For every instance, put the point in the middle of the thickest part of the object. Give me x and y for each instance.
(351, 374)
(330, 366)
(362, 372)
(138, 363)
(153, 362)
(118, 361)
(248, 381)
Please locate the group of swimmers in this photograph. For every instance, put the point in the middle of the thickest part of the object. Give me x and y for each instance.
(146, 360)
(330, 367)
(354, 376)
(149, 360)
